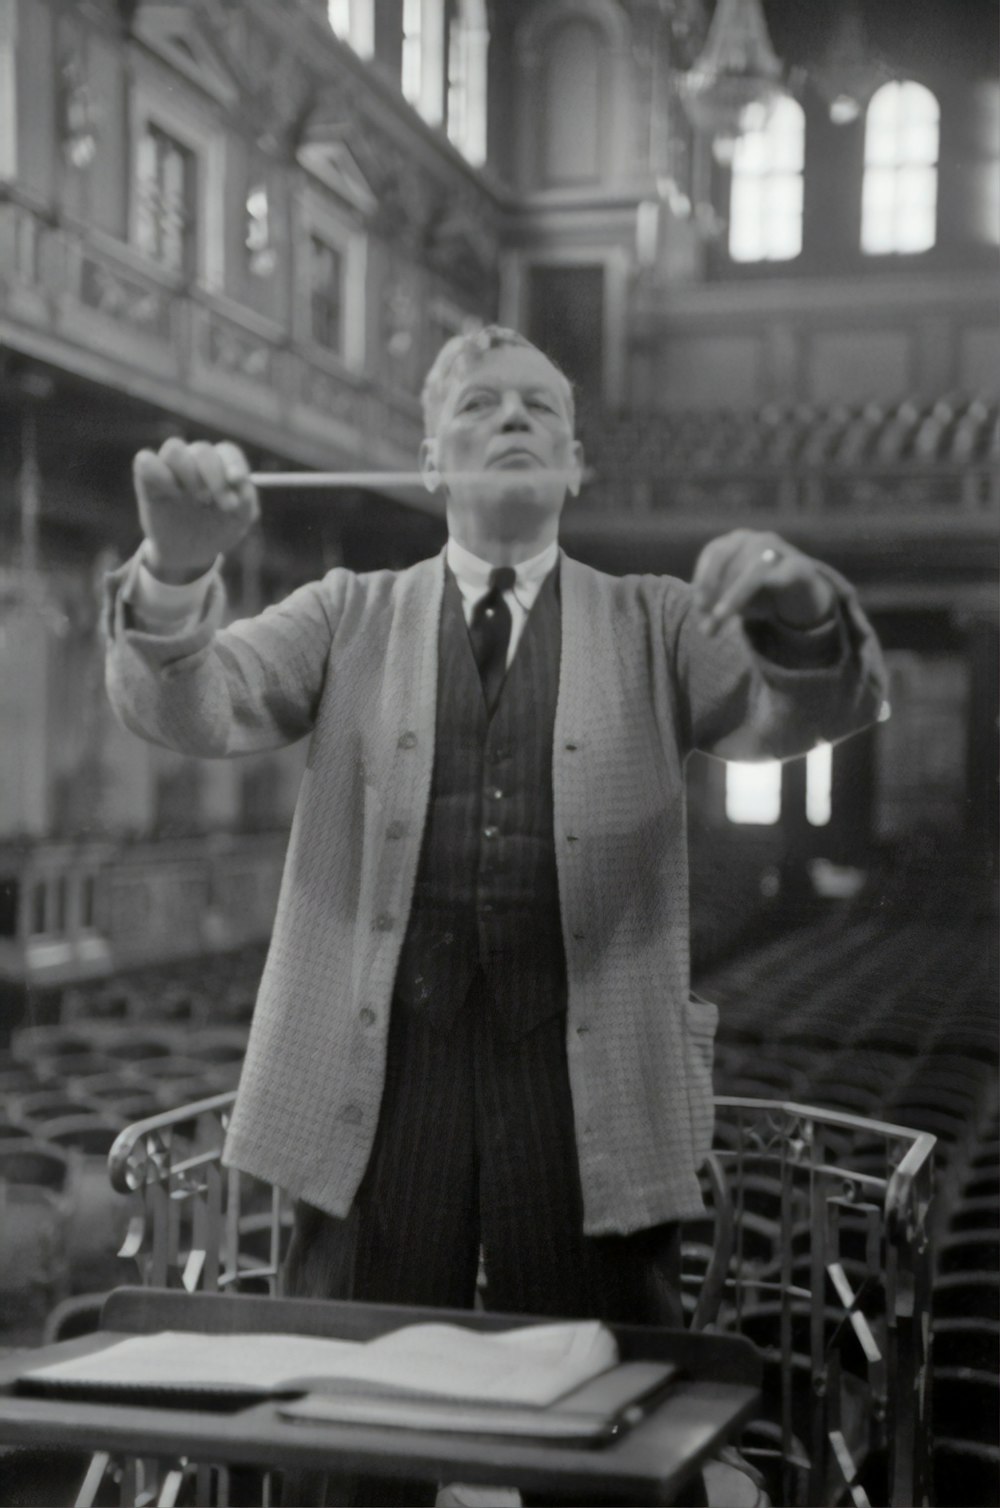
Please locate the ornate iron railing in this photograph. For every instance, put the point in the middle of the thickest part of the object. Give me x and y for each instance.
(829, 1273)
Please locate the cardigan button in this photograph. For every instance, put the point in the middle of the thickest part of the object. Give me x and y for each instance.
(572, 747)
(351, 1114)
(408, 740)
(383, 923)
(366, 1016)
(490, 831)
(395, 829)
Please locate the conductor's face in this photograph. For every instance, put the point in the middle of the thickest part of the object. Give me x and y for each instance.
(504, 447)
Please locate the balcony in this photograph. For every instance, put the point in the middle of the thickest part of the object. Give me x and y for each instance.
(95, 308)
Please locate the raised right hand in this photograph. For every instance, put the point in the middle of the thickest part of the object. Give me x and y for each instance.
(195, 502)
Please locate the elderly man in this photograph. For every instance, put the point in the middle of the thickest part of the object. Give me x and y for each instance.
(474, 1032)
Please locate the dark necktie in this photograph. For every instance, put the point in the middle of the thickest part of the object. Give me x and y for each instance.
(489, 631)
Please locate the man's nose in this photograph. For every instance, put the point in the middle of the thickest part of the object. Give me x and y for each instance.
(513, 414)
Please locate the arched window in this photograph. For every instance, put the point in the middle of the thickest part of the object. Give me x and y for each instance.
(765, 207)
(354, 20)
(468, 44)
(899, 198)
(422, 76)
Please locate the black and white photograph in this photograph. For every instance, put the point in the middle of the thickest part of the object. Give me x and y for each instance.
(498, 753)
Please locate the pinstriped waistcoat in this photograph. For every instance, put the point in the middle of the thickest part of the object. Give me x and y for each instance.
(487, 891)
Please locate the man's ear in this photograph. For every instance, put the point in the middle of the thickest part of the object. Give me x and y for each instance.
(575, 470)
(428, 465)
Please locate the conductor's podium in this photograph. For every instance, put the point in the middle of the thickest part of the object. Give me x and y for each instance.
(816, 1248)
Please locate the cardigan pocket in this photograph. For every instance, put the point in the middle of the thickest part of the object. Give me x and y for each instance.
(701, 1018)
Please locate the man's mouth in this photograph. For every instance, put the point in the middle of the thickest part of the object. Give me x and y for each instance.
(518, 459)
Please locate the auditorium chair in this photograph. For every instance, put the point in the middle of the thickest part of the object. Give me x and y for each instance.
(124, 1101)
(965, 1473)
(976, 1212)
(17, 1077)
(37, 1192)
(31, 1110)
(969, 1294)
(98, 1217)
(62, 1068)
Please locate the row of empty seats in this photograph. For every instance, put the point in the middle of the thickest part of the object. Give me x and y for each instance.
(893, 1017)
(888, 1016)
(954, 430)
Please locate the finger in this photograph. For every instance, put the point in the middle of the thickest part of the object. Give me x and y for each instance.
(760, 571)
(715, 566)
(178, 456)
(234, 463)
(212, 472)
(152, 477)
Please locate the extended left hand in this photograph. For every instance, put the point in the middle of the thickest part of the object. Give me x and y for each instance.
(759, 577)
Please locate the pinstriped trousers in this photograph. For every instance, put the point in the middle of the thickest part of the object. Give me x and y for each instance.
(475, 1148)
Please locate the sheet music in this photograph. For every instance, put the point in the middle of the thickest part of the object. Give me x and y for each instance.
(531, 1365)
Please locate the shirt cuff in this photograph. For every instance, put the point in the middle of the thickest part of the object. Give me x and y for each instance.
(817, 648)
(160, 607)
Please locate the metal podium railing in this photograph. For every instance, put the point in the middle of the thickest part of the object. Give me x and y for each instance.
(829, 1273)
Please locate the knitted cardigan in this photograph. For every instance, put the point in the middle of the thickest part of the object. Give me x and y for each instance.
(351, 663)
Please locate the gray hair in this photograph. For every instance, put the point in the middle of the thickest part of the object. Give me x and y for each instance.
(458, 350)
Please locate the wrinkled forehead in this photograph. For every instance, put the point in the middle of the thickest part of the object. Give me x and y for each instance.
(501, 367)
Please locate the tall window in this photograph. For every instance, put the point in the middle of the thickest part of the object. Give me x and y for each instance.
(899, 198)
(165, 185)
(422, 77)
(468, 45)
(753, 792)
(259, 240)
(354, 20)
(412, 66)
(765, 209)
(326, 295)
(819, 785)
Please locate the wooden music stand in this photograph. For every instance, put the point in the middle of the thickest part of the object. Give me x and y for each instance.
(650, 1463)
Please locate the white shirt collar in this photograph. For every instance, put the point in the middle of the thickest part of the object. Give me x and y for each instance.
(473, 574)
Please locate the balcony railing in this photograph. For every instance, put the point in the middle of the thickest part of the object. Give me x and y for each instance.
(829, 1273)
(968, 495)
(99, 297)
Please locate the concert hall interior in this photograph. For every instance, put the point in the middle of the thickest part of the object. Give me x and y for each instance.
(760, 238)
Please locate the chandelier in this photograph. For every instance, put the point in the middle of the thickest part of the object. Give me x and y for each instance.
(850, 69)
(736, 79)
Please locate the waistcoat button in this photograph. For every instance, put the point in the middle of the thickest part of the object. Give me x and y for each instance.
(408, 740)
(491, 832)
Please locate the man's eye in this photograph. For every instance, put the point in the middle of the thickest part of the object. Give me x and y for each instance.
(542, 403)
(478, 400)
